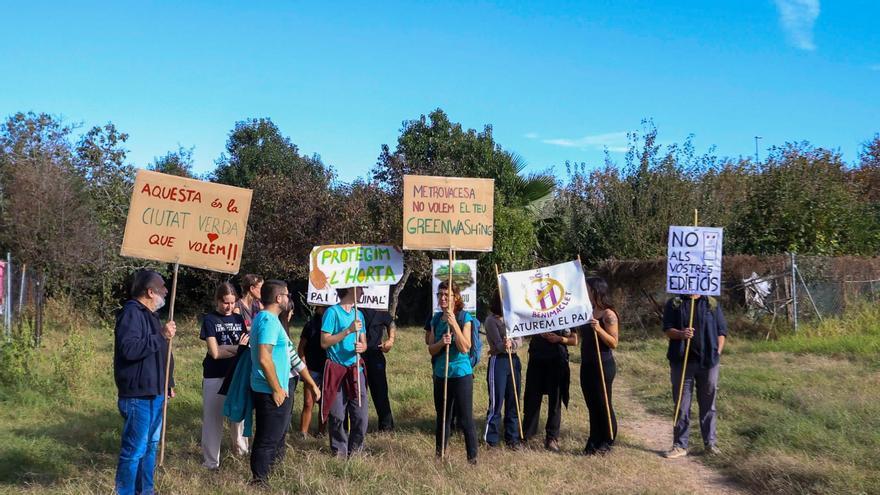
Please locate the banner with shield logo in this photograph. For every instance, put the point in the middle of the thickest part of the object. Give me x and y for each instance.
(545, 299)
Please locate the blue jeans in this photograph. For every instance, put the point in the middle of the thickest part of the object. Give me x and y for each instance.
(141, 431)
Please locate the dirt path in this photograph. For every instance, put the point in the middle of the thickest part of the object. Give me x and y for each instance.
(643, 430)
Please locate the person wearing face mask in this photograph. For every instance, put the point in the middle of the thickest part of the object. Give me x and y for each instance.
(140, 348)
(271, 360)
(222, 331)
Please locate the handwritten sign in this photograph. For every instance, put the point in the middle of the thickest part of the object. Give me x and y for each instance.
(373, 297)
(442, 213)
(193, 222)
(354, 265)
(694, 260)
(464, 276)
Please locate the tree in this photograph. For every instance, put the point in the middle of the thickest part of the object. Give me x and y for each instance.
(433, 145)
(46, 217)
(256, 148)
(179, 163)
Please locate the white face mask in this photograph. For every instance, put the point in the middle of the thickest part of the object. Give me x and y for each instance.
(159, 301)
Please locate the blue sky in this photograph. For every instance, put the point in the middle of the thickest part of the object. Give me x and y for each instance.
(557, 80)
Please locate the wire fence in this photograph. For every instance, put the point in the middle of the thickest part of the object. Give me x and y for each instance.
(761, 293)
(22, 299)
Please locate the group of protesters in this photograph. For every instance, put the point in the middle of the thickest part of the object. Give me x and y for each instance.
(252, 368)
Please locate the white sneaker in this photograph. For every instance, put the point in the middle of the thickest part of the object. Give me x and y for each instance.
(675, 452)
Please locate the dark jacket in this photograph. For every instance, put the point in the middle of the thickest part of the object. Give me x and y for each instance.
(709, 324)
(139, 352)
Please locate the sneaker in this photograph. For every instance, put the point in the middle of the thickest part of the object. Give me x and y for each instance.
(675, 452)
(472, 461)
(712, 450)
(551, 444)
(516, 447)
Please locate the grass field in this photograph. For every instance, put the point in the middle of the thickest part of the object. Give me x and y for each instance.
(801, 414)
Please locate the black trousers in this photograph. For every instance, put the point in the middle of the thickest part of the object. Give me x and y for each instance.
(591, 386)
(377, 381)
(270, 428)
(543, 377)
(460, 398)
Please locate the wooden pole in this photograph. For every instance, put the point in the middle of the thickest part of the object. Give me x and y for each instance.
(357, 355)
(168, 366)
(602, 374)
(510, 358)
(449, 300)
(687, 348)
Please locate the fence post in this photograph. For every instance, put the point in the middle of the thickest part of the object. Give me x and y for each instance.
(7, 316)
(21, 289)
(794, 310)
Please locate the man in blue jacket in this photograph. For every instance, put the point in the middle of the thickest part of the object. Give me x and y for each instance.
(139, 352)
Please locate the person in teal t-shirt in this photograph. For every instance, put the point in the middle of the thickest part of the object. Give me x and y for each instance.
(343, 336)
(270, 374)
(451, 328)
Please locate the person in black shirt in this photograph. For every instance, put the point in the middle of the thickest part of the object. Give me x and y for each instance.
(548, 374)
(707, 337)
(604, 324)
(377, 324)
(222, 331)
(310, 350)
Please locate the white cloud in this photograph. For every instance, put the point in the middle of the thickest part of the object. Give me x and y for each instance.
(531, 135)
(798, 17)
(613, 141)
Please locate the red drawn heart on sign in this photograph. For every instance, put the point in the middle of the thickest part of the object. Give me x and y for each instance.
(212, 237)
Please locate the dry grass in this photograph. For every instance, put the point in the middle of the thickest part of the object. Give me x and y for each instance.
(67, 443)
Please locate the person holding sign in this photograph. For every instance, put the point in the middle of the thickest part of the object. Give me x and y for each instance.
(502, 381)
(342, 335)
(707, 336)
(139, 349)
(271, 351)
(548, 374)
(451, 326)
(604, 325)
(222, 331)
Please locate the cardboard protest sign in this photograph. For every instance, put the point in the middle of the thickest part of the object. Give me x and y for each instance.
(545, 299)
(373, 297)
(441, 213)
(192, 222)
(464, 276)
(354, 265)
(694, 260)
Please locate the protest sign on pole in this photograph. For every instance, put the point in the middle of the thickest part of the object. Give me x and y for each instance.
(372, 297)
(187, 221)
(464, 276)
(694, 260)
(339, 266)
(442, 213)
(545, 299)
(355, 265)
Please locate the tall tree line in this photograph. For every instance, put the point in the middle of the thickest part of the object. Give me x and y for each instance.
(64, 195)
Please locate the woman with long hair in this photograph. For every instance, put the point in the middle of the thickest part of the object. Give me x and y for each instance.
(451, 326)
(603, 328)
(223, 331)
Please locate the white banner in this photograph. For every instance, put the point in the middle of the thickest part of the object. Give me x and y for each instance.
(464, 276)
(373, 297)
(694, 260)
(545, 299)
(354, 265)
